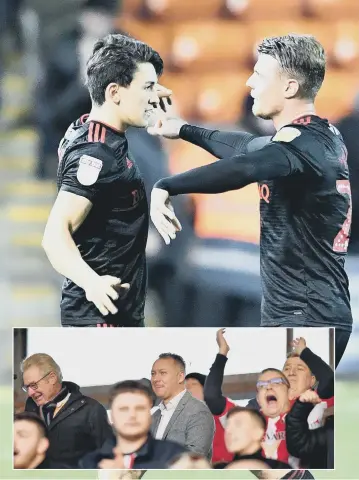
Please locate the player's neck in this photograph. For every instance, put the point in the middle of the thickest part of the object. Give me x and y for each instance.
(106, 116)
(292, 112)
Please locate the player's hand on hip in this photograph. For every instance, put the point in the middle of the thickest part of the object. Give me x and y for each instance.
(299, 344)
(310, 397)
(103, 290)
(222, 342)
(163, 215)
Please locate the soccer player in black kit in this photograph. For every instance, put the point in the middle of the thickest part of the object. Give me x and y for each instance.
(302, 173)
(96, 233)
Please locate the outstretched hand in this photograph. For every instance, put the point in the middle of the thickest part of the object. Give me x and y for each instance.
(163, 215)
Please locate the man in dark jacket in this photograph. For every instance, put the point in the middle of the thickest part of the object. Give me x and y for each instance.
(313, 447)
(131, 402)
(76, 424)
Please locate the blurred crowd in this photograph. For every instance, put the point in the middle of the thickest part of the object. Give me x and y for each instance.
(54, 39)
(178, 419)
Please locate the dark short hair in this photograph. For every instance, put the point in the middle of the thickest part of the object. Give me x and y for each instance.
(177, 358)
(197, 376)
(129, 386)
(256, 414)
(34, 418)
(114, 60)
(301, 57)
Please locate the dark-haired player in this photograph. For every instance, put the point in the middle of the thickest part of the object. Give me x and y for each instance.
(97, 231)
(302, 173)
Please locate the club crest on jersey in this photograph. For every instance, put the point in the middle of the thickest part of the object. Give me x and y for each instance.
(89, 170)
(286, 134)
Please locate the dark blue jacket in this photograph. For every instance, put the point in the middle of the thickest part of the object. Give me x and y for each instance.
(156, 454)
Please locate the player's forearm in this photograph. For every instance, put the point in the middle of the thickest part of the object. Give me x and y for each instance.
(65, 257)
(232, 174)
(220, 144)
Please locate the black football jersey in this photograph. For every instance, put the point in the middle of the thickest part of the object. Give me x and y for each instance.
(305, 226)
(94, 162)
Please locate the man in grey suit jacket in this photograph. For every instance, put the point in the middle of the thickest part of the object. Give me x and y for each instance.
(180, 417)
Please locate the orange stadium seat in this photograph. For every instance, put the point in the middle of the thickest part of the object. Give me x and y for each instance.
(210, 45)
(232, 215)
(336, 96)
(184, 156)
(220, 96)
(157, 35)
(346, 47)
(265, 9)
(322, 31)
(131, 7)
(178, 10)
(185, 90)
(334, 9)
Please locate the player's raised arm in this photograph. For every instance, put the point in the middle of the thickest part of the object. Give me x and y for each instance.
(221, 144)
(280, 158)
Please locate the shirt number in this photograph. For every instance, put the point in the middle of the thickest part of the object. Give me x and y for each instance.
(341, 241)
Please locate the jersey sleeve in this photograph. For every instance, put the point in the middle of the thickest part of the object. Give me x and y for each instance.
(303, 149)
(87, 170)
(222, 144)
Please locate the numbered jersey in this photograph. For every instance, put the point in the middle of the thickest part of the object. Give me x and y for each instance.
(305, 226)
(94, 163)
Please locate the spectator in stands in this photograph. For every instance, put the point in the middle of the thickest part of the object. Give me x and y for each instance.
(313, 447)
(31, 442)
(181, 417)
(134, 447)
(76, 424)
(301, 378)
(195, 385)
(303, 368)
(244, 432)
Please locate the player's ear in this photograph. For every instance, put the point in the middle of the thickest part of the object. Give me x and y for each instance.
(113, 93)
(291, 88)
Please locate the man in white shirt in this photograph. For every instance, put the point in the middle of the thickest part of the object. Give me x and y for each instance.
(180, 417)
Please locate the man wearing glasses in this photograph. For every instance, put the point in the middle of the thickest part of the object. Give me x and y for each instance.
(273, 399)
(76, 424)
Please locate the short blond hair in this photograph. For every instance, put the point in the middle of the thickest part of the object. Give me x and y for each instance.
(44, 362)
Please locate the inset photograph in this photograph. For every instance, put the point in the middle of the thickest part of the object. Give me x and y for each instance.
(143, 399)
